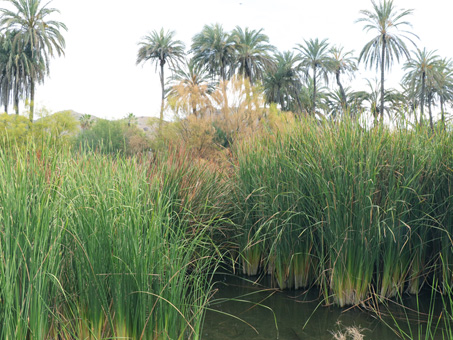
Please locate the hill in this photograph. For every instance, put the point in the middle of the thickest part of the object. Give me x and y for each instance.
(146, 124)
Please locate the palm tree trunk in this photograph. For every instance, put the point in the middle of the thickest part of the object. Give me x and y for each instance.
(381, 111)
(422, 99)
(16, 101)
(300, 105)
(248, 72)
(344, 104)
(442, 113)
(222, 72)
(32, 99)
(161, 116)
(314, 91)
(430, 112)
(414, 111)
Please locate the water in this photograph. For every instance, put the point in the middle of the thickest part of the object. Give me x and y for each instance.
(253, 312)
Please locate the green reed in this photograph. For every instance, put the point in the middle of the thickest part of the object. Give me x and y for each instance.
(357, 210)
(97, 246)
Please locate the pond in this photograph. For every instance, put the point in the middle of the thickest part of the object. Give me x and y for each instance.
(242, 309)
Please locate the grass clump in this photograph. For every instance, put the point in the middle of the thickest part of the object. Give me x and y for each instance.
(97, 246)
(353, 209)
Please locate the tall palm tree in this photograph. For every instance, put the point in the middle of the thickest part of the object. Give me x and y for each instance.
(17, 68)
(342, 62)
(252, 53)
(20, 70)
(420, 70)
(282, 84)
(37, 37)
(214, 49)
(314, 55)
(388, 44)
(5, 74)
(161, 48)
(191, 89)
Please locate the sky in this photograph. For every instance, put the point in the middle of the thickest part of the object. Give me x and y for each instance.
(98, 74)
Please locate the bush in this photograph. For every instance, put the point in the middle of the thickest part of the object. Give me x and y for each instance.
(105, 136)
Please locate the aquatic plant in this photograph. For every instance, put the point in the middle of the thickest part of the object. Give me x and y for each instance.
(97, 246)
(356, 210)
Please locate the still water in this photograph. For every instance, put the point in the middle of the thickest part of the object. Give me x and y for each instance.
(242, 309)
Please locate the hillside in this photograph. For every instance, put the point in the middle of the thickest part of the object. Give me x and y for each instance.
(146, 124)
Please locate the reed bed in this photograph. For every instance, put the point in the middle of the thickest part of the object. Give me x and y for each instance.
(99, 246)
(103, 247)
(355, 211)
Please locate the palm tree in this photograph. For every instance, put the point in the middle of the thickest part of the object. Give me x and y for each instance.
(342, 62)
(373, 96)
(444, 85)
(161, 48)
(411, 100)
(389, 43)
(344, 102)
(5, 75)
(191, 90)
(314, 56)
(281, 84)
(252, 53)
(36, 37)
(131, 119)
(17, 69)
(214, 49)
(422, 69)
(86, 121)
(306, 98)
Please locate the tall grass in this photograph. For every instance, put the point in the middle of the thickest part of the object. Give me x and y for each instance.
(363, 210)
(102, 247)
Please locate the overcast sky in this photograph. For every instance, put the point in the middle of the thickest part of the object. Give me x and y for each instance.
(99, 75)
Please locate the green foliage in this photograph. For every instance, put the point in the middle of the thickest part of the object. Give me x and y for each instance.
(61, 126)
(105, 136)
(120, 136)
(14, 128)
(56, 129)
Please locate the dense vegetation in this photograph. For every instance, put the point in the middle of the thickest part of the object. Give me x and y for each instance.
(94, 247)
(109, 232)
(351, 210)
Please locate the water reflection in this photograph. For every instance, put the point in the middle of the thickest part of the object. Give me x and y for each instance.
(286, 315)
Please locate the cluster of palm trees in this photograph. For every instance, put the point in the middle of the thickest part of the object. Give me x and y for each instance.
(28, 39)
(298, 80)
(428, 81)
